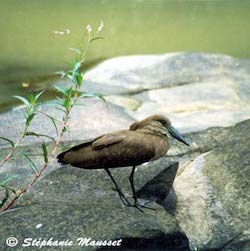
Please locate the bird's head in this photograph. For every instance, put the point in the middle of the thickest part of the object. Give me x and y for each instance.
(161, 124)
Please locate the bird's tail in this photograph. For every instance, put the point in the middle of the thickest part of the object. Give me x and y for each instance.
(60, 157)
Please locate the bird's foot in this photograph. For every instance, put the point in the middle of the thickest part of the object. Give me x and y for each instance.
(141, 206)
(150, 208)
(136, 206)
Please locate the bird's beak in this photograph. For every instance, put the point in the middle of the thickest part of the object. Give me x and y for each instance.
(177, 135)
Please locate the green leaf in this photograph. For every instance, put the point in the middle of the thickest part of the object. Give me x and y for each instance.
(45, 152)
(76, 50)
(62, 73)
(39, 135)
(93, 95)
(79, 79)
(9, 178)
(29, 118)
(39, 95)
(77, 66)
(7, 195)
(24, 100)
(31, 163)
(69, 92)
(66, 103)
(61, 89)
(71, 78)
(31, 99)
(53, 121)
(95, 38)
(9, 141)
(61, 110)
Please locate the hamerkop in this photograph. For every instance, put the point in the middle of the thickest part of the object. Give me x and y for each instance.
(145, 141)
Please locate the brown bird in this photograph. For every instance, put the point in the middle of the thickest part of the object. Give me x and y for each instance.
(146, 140)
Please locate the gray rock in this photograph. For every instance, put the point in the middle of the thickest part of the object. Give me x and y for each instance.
(97, 219)
(71, 185)
(200, 105)
(89, 119)
(71, 203)
(212, 194)
(130, 74)
(196, 90)
(213, 176)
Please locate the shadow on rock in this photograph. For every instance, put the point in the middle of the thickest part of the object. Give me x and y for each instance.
(160, 188)
(159, 241)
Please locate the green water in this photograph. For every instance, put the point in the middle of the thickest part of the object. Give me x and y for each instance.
(30, 52)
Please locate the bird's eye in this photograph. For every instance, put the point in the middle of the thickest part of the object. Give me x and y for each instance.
(162, 121)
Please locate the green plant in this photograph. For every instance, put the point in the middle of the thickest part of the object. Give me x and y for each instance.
(67, 100)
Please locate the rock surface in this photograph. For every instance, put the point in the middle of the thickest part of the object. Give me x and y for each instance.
(213, 201)
(71, 203)
(89, 119)
(202, 203)
(209, 205)
(195, 90)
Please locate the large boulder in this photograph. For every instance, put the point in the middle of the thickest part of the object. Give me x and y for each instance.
(196, 90)
(212, 190)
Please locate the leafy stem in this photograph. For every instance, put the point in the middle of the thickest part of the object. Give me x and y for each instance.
(31, 105)
(47, 159)
(67, 100)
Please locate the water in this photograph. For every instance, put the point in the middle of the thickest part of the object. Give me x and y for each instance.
(30, 52)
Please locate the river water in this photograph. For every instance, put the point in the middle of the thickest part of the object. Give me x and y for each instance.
(30, 52)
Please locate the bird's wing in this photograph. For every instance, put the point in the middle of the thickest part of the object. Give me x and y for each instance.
(107, 140)
(60, 157)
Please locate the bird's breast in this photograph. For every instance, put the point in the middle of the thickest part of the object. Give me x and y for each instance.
(161, 146)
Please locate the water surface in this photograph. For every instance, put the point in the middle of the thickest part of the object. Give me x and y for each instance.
(30, 52)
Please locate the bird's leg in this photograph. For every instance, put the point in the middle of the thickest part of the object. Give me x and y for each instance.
(136, 204)
(131, 179)
(124, 200)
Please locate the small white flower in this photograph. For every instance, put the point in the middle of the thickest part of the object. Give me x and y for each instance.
(67, 31)
(99, 29)
(88, 28)
(59, 32)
